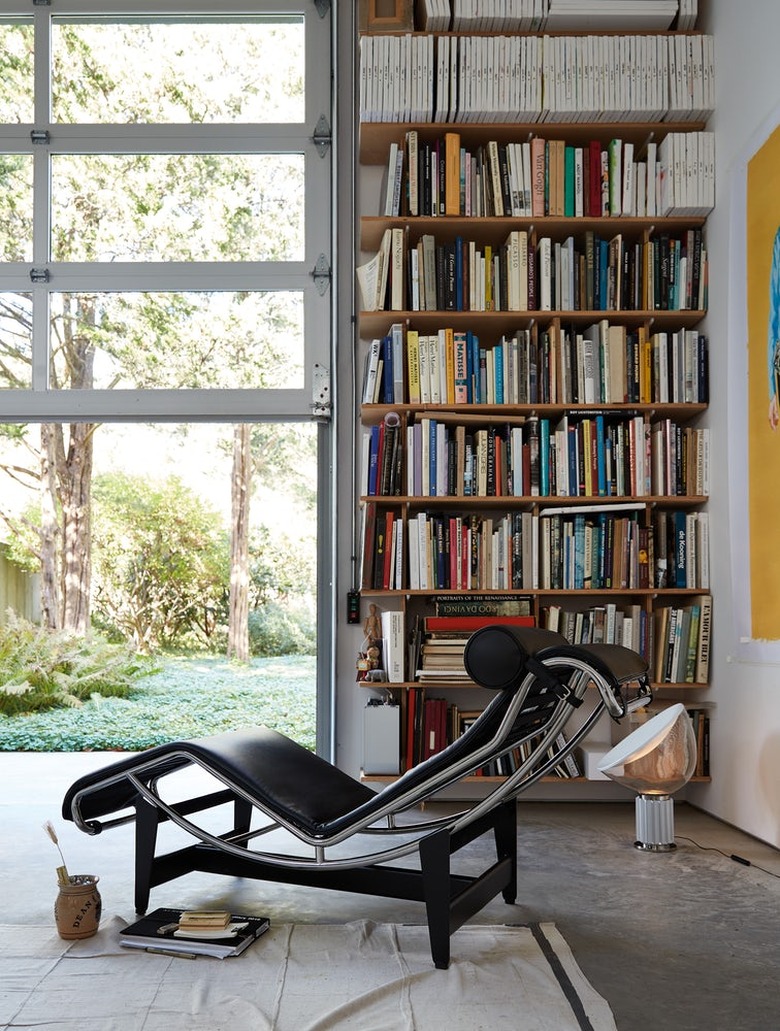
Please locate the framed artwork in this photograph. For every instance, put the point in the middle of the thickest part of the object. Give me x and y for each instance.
(754, 399)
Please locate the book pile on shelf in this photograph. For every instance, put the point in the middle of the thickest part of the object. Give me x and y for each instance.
(381, 278)
(667, 272)
(604, 454)
(427, 728)
(394, 644)
(681, 542)
(462, 552)
(610, 547)
(432, 724)
(533, 15)
(175, 932)
(593, 78)
(629, 625)
(602, 363)
(594, 548)
(384, 548)
(682, 642)
(585, 547)
(493, 605)
(384, 370)
(383, 452)
(701, 728)
(601, 15)
(537, 177)
(438, 642)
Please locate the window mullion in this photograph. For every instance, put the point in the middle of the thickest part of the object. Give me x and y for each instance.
(219, 139)
(41, 199)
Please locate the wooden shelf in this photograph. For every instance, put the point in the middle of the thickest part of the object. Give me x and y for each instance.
(546, 501)
(376, 137)
(377, 323)
(488, 229)
(450, 685)
(375, 413)
(546, 592)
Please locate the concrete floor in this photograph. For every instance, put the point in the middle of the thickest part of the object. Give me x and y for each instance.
(684, 940)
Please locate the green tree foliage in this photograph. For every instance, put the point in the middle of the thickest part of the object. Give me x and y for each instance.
(161, 561)
(152, 207)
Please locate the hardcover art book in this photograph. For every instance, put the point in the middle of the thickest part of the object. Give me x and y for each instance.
(180, 932)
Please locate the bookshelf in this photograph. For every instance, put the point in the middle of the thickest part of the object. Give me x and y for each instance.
(529, 436)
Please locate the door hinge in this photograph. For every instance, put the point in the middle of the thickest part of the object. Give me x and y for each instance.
(321, 138)
(323, 6)
(321, 274)
(320, 392)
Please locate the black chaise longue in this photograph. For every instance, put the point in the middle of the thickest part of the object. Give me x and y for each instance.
(342, 833)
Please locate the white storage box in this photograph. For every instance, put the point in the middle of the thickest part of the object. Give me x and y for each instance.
(381, 738)
(592, 753)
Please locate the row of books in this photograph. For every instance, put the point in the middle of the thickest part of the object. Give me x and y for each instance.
(593, 455)
(435, 645)
(534, 15)
(664, 272)
(675, 640)
(433, 723)
(682, 642)
(603, 363)
(588, 78)
(599, 549)
(701, 730)
(627, 625)
(584, 548)
(540, 177)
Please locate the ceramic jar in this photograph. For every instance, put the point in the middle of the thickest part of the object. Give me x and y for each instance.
(77, 907)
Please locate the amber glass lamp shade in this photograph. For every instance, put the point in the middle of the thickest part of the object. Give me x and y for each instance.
(655, 760)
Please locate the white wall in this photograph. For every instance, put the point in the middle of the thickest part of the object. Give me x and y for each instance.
(745, 728)
(745, 698)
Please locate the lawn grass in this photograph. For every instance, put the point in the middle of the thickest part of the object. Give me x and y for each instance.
(190, 697)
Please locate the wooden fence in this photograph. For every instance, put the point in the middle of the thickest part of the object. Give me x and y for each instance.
(19, 590)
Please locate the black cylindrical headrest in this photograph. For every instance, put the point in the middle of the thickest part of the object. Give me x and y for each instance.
(495, 656)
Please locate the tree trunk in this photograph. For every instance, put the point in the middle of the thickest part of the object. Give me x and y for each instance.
(74, 469)
(75, 479)
(240, 491)
(49, 532)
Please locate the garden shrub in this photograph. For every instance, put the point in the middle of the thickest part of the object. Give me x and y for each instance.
(43, 669)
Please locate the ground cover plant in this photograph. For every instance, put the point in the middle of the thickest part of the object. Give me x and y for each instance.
(190, 696)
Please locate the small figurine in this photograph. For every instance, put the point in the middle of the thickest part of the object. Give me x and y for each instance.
(368, 662)
(372, 627)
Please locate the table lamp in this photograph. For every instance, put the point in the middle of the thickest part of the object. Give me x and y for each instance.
(656, 759)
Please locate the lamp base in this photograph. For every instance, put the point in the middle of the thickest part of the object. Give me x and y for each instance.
(655, 823)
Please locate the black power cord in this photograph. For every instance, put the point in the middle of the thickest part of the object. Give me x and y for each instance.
(737, 859)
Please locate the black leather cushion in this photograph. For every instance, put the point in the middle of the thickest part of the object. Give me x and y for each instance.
(290, 780)
(495, 656)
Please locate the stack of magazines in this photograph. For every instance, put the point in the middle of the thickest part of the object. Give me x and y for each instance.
(176, 932)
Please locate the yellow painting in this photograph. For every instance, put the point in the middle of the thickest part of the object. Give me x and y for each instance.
(763, 315)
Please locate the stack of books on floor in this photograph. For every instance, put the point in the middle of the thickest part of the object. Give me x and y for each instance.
(176, 932)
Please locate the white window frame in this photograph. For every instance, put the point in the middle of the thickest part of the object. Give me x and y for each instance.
(312, 400)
